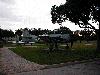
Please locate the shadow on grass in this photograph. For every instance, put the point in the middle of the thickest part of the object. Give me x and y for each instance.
(42, 56)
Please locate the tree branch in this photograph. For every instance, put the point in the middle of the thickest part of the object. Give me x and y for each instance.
(86, 26)
(81, 26)
(92, 27)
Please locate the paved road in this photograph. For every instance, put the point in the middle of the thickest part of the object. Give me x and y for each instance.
(90, 68)
(13, 64)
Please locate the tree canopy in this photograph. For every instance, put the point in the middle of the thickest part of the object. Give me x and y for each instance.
(6, 33)
(18, 32)
(77, 11)
(62, 30)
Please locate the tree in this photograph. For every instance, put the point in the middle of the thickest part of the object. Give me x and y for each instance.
(79, 12)
(37, 32)
(1, 34)
(19, 33)
(86, 34)
(7, 33)
(11, 33)
(76, 35)
(1, 43)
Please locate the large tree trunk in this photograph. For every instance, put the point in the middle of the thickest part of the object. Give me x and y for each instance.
(98, 39)
(56, 46)
(51, 46)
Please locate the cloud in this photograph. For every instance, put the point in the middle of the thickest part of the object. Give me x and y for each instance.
(8, 1)
(16, 14)
(6, 11)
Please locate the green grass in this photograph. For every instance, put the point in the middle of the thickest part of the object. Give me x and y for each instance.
(9, 45)
(37, 54)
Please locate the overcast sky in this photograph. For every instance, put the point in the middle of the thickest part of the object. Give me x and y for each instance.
(16, 14)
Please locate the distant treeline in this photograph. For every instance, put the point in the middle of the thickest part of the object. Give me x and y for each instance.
(85, 34)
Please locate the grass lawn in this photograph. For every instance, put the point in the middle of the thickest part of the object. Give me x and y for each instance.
(9, 45)
(80, 51)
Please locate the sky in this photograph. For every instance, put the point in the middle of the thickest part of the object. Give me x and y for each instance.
(16, 14)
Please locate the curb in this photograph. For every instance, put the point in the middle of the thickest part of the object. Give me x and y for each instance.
(69, 63)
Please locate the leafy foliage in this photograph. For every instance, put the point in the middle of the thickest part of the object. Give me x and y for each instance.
(18, 32)
(77, 11)
(86, 34)
(6, 33)
(63, 30)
